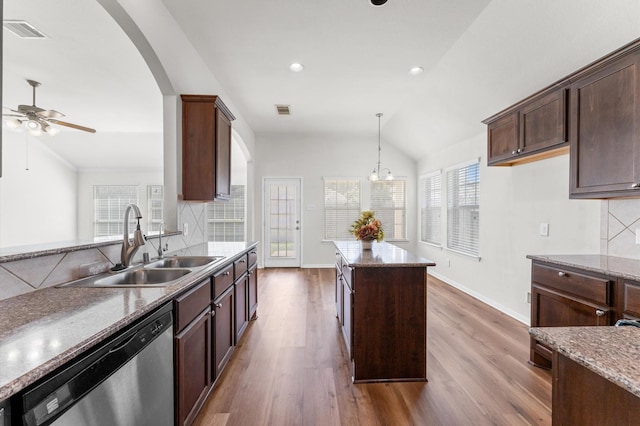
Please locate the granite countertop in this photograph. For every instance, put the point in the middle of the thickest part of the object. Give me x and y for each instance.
(612, 352)
(608, 265)
(44, 329)
(381, 255)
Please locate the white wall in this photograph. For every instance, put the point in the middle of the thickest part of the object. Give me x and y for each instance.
(313, 157)
(37, 206)
(513, 203)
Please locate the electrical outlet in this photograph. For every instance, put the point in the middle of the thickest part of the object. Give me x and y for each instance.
(544, 229)
(528, 297)
(637, 235)
(185, 229)
(449, 263)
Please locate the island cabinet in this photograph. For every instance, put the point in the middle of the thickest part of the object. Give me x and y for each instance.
(530, 130)
(381, 302)
(563, 297)
(206, 148)
(193, 317)
(583, 397)
(605, 129)
(628, 299)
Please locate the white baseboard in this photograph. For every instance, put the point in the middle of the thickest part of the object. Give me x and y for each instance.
(526, 321)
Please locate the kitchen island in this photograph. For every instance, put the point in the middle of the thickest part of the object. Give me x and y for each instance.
(381, 303)
(596, 374)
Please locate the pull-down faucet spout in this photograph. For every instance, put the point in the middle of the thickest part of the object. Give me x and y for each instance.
(129, 247)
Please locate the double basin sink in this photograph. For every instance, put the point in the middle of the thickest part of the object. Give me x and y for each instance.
(159, 273)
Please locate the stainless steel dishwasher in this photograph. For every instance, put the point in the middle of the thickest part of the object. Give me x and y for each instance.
(125, 381)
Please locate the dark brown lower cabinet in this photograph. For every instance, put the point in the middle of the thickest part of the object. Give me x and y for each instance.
(582, 397)
(223, 330)
(193, 372)
(242, 307)
(253, 292)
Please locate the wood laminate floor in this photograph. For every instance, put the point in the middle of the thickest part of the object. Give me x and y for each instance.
(291, 368)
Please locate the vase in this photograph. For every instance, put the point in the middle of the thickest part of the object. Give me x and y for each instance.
(366, 244)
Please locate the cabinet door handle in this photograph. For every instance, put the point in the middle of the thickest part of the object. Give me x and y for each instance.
(514, 152)
(635, 185)
(218, 305)
(562, 274)
(226, 273)
(599, 312)
(242, 261)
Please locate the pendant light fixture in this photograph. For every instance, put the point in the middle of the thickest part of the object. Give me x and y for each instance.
(375, 174)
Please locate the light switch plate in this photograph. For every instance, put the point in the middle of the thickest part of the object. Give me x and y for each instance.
(637, 235)
(544, 229)
(185, 229)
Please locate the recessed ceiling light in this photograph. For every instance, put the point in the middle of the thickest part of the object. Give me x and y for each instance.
(416, 70)
(296, 67)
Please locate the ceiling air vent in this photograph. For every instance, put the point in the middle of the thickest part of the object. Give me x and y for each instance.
(283, 110)
(23, 29)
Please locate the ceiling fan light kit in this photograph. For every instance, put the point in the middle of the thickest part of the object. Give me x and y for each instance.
(38, 120)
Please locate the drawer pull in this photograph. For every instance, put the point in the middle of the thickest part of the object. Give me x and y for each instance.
(635, 185)
(513, 152)
(242, 261)
(562, 274)
(226, 273)
(218, 305)
(599, 312)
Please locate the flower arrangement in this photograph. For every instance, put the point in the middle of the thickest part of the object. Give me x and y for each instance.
(367, 228)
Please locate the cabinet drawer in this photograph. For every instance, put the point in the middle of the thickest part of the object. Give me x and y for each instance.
(240, 266)
(631, 300)
(588, 287)
(189, 305)
(253, 258)
(222, 280)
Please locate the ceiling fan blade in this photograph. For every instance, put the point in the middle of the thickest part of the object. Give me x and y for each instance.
(50, 113)
(13, 115)
(11, 110)
(73, 126)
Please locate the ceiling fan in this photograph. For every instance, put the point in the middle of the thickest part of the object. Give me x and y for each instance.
(39, 120)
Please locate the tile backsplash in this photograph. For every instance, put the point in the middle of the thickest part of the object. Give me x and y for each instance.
(26, 275)
(619, 220)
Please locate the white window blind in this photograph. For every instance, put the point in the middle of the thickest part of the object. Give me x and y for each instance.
(226, 220)
(109, 204)
(463, 208)
(155, 206)
(341, 207)
(431, 208)
(389, 205)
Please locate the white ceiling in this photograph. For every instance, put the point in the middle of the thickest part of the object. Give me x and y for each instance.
(479, 57)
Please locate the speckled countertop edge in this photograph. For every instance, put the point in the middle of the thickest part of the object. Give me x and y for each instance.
(42, 308)
(608, 265)
(381, 255)
(611, 352)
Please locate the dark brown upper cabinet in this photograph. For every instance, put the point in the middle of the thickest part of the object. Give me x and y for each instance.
(605, 129)
(206, 148)
(530, 130)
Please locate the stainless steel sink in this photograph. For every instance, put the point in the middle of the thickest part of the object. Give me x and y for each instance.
(143, 277)
(183, 261)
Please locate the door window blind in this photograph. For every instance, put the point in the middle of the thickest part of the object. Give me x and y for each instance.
(388, 201)
(463, 208)
(430, 208)
(110, 202)
(341, 207)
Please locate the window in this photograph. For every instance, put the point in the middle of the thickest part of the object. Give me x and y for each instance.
(155, 203)
(463, 208)
(388, 203)
(430, 208)
(109, 204)
(341, 207)
(226, 220)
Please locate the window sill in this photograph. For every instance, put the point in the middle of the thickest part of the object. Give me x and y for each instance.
(472, 256)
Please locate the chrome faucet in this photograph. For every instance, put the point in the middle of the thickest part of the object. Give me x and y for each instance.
(129, 248)
(160, 249)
